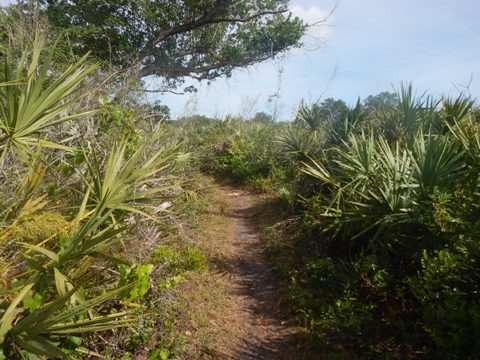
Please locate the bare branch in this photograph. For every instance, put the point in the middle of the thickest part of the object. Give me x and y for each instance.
(190, 71)
(163, 91)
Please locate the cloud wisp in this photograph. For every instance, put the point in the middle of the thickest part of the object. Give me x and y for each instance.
(320, 22)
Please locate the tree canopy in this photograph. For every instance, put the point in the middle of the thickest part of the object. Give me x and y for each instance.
(380, 102)
(175, 39)
(334, 109)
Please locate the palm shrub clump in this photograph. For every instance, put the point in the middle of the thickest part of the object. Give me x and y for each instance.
(393, 219)
(62, 281)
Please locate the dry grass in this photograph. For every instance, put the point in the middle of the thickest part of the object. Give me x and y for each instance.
(201, 302)
(233, 309)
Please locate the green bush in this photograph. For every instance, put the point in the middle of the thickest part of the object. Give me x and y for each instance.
(175, 262)
(447, 288)
(386, 244)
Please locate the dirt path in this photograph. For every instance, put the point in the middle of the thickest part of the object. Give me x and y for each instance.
(257, 326)
(234, 310)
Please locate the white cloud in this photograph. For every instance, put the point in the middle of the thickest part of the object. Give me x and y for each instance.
(321, 21)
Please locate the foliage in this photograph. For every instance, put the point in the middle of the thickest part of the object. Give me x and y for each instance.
(379, 247)
(392, 203)
(446, 287)
(39, 226)
(55, 260)
(137, 274)
(200, 39)
(238, 148)
(262, 117)
(30, 104)
(175, 262)
(382, 102)
(381, 254)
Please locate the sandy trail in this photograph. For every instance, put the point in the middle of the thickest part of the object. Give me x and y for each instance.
(259, 328)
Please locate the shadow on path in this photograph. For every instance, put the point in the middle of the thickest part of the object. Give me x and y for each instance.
(263, 324)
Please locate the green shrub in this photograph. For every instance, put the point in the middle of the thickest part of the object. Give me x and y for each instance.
(175, 262)
(447, 287)
(139, 276)
(386, 244)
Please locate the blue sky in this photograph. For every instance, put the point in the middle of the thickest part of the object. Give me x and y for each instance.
(367, 47)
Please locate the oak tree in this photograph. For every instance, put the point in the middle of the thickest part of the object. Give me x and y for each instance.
(175, 39)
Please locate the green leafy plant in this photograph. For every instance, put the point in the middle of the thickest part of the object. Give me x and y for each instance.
(53, 296)
(30, 103)
(139, 276)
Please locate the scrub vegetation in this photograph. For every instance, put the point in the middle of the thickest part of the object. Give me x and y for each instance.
(114, 237)
(378, 242)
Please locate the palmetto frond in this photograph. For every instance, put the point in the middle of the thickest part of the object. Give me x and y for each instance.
(309, 117)
(125, 180)
(435, 159)
(31, 102)
(299, 144)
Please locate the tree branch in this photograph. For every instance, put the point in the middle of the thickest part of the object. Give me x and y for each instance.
(207, 19)
(249, 18)
(190, 71)
(163, 91)
(218, 7)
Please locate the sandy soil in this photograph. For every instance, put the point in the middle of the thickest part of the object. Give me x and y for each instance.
(255, 323)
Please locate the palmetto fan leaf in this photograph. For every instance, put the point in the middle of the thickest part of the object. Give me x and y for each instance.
(356, 160)
(371, 183)
(299, 144)
(31, 102)
(467, 132)
(415, 112)
(124, 180)
(37, 332)
(309, 117)
(350, 122)
(456, 109)
(435, 159)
